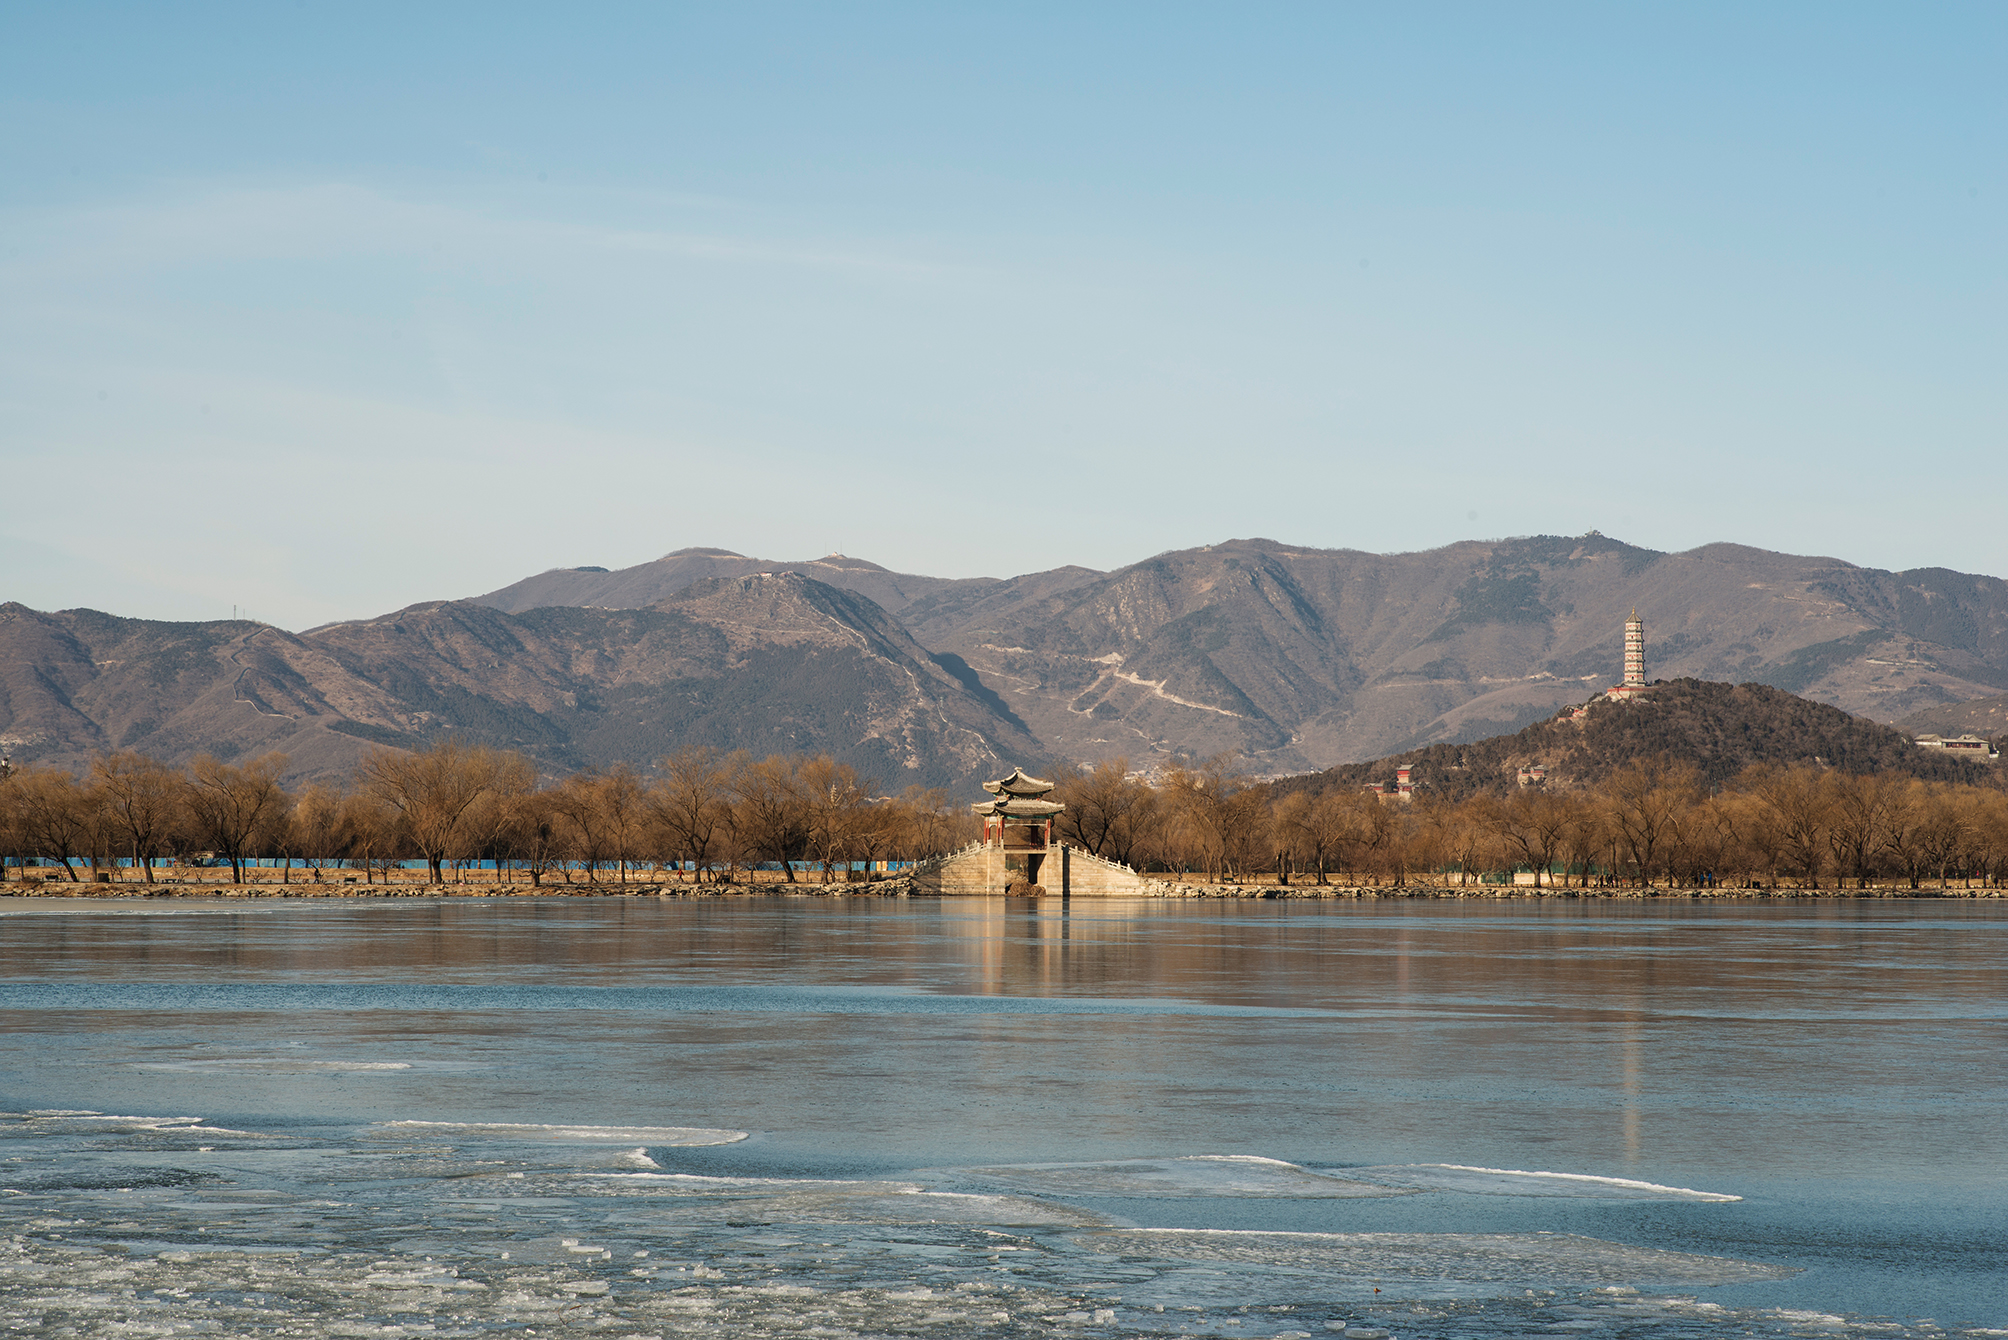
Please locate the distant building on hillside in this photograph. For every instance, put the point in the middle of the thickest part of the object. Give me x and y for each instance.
(1634, 681)
(1965, 746)
(1402, 790)
(1533, 776)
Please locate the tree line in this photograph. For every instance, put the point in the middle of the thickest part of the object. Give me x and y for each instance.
(1647, 823)
(706, 814)
(710, 816)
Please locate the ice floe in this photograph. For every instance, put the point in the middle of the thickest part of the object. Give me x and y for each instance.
(434, 1229)
(1518, 1182)
(695, 1184)
(728, 1200)
(1196, 1175)
(1525, 1259)
(66, 1122)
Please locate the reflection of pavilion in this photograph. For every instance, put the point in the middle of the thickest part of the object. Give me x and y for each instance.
(1019, 823)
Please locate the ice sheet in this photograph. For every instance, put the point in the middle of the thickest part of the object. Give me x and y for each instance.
(692, 1184)
(1517, 1182)
(277, 1065)
(921, 1207)
(728, 1200)
(470, 1229)
(62, 1123)
(1526, 1259)
(1188, 1176)
(568, 1134)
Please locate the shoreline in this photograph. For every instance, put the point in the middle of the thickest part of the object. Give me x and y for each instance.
(897, 888)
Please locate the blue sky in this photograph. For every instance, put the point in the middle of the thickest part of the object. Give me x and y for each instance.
(320, 310)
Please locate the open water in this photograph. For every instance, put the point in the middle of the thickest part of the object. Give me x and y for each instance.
(769, 1116)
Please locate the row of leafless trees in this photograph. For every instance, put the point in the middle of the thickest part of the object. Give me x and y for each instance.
(708, 814)
(1648, 823)
(704, 812)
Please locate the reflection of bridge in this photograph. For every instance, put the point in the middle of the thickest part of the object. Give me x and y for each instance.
(1017, 854)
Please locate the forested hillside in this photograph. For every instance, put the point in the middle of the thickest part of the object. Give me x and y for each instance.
(1721, 729)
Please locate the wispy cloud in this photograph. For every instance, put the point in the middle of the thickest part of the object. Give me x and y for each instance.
(302, 221)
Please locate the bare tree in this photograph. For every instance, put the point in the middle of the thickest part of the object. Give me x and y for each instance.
(833, 798)
(1944, 833)
(1755, 843)
(1796, 803)
(534, 835)
(691, 804)
(1989, 837)
(771, 810)
(1585, 835)
(1858, 822)
(1371, 845)
(432, 791)
(874, 830)
(234, 807)
(1109, 812)
(1645, 801)
(1462, 836)
(623, 802)
(1533, 822)
(52, 812)
(12, 849)
(368, 833)
(933, 823)
(316, 823)
(1209, 823)
(143, 798)
(578, 803)
(1319, 827)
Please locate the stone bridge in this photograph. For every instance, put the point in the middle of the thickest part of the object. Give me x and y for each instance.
(1068, 872)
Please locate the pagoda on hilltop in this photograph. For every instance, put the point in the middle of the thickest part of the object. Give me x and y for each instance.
(1634, 681)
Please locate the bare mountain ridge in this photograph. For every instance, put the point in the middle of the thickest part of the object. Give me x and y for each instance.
(1294, 658)
(775, 664)
(1298, 658)
(1719, 728)
(645, 584)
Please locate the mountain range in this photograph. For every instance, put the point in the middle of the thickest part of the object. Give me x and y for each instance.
(1293, 658)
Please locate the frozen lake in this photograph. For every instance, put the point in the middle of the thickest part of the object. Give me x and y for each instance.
(805, 1116)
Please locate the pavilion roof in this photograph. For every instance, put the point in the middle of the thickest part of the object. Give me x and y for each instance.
(1019, 783)
(1018, 807)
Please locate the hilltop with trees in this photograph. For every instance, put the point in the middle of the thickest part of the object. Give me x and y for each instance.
(1719, 730)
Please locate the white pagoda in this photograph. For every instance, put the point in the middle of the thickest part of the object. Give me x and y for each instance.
(1634, 681)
